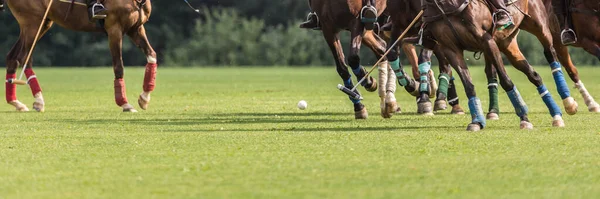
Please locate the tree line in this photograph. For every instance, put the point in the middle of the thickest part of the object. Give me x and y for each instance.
(225, 33)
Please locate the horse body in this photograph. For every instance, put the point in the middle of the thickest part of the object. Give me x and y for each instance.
(125, 17)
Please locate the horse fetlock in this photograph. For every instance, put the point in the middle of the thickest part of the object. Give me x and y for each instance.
(20, 107)
(457, 110)
(557, 121)
(570, 105)
(440, 105)
(371, 84)
(526, 125)
(361, 114)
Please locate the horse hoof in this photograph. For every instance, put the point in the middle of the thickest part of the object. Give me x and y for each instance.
(388, 109)
(440, 105)
(558, 121)
(457, 110)
(361, 115)
(39, 107)
(425, 108)
(373, 86)
(127, 108)
(525, 125)
(570, 106)
(474, 127)
(594, 108)
(493, 116)
(144, 101)
(20, 107)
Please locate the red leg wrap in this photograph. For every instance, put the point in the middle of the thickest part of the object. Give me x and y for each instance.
(120, 96)
(11, 89)
(32, 81)
(150, 77)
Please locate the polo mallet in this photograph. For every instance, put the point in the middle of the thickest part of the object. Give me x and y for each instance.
(23, 82)
(352, 92)
(192, 7)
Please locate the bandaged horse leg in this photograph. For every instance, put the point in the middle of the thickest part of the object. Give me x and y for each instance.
(559, 78)
(390, 98)
(354, 60)
(424, 104)
(492, 77)
(589, 100)
(592, 48)
(115, 37)
(141, 40)
(453, 99)
(382, 81)
(11, 94)
(36, 90)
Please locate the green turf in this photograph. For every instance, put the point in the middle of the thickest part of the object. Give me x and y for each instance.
(236, 133)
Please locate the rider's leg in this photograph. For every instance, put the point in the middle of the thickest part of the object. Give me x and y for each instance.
(502, 17)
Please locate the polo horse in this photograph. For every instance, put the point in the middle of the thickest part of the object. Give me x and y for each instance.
(460, 25)
(586, 21)
(337, 15)
(124, 17)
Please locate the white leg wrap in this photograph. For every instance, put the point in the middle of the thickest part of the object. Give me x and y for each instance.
(589, 100)
(151, 60)
(391, 84)
(19, 106)
(383, 78)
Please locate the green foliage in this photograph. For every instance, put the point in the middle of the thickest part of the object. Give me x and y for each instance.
(228, 32)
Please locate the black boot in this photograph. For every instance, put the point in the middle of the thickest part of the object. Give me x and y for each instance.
(368, 16)
(503, 20)
(312, 22)
(96, 10)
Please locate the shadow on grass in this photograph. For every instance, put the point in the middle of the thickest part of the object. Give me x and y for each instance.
(322, 129)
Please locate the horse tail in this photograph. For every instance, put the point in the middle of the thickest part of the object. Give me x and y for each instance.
(68, 10)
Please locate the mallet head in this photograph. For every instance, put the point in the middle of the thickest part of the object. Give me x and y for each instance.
(350, 93)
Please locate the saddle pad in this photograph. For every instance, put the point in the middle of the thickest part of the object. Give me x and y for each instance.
(76, 2)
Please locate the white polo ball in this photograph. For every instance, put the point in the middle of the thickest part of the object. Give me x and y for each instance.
(302, 105)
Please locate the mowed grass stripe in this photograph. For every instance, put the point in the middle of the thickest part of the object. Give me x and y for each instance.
(236, 132)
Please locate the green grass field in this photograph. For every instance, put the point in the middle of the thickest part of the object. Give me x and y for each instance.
(236, 133)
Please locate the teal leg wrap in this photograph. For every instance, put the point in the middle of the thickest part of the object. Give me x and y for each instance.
(424, 71)
(402, 80)
(444, 80)
(493, 90)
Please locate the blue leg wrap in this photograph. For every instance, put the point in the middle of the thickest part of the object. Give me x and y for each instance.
(399, 73)
(476, 111)
(559, 78)
(549, 101)
(517, 102)
(348, 84)
(424, 71)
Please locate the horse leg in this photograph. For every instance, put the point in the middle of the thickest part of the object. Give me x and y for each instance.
(115, 38)
(403, 79)
(536, 25)
(138, 36)
(17, 57)
(592, 48)
(493, 53)
(516, 58)
(423, 102)
(492, 77)
(456, 59)
(387, 79)
(354, 59)
(333, 40)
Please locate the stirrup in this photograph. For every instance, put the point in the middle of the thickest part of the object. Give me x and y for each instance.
(318, 22)
(369, 19)
(96, 8)
(565, 40)
(505, 26)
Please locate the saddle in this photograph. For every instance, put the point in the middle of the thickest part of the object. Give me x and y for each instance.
(436, 9)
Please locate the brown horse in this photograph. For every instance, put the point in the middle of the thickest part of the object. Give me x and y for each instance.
(124, 17)
(586, 20)
(338, 15)
(472, 29)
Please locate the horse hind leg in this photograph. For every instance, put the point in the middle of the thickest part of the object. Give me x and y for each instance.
(516, 58)
(592, 48)
(138, 36)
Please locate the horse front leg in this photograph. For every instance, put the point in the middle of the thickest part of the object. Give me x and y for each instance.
(387, 78)
(333, 40)
(115, 38)
(492, 77)
(138, 36)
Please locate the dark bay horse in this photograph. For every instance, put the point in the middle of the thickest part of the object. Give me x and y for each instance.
(338, 15)
(125, 17)
(401, 13)
(586, 20)
(472, 29)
